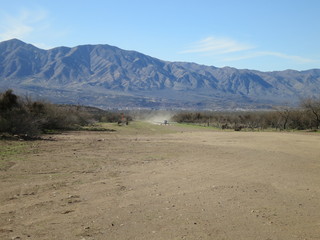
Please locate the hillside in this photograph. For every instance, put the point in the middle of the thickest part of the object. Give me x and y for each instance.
(109, 77)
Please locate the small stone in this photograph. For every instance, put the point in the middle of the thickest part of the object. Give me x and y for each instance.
(74, 196)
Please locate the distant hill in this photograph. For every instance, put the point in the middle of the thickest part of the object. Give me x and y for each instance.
(109, 77)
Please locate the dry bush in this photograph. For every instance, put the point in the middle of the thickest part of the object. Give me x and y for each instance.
(15, 117)
(281, 118)
(26, 117)
(23, 116)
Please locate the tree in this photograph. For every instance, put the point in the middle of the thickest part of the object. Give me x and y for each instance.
(312, 105)
(8, 100)
(284, 116)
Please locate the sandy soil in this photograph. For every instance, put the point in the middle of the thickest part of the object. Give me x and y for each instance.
(163, 182)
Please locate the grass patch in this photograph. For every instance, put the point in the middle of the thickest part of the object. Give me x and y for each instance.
(9, 151)
(314, 131)
(200, 126)
(97, 128)
(149, 128)
(204, 126)
(11, 148)
(140, 127)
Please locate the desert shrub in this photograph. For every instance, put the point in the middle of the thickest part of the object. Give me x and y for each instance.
(26, 117)
(23, 116)
(281, 118)
(110, 117)
(100, 115)
(191, 117)
(8, 100)
(64, 117)
(14, 116)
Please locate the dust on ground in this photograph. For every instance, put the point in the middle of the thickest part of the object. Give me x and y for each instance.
(162, 182)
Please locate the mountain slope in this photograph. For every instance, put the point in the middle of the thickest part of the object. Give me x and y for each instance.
(107, 76)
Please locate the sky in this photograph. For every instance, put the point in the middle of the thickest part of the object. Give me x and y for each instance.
(265, 35)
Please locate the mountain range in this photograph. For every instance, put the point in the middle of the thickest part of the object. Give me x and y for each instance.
(109, 77)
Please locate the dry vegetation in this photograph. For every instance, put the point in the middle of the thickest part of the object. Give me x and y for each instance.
(307, 117)
(28, 119)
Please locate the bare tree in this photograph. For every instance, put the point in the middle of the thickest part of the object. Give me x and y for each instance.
(284, 116)
(312, 105)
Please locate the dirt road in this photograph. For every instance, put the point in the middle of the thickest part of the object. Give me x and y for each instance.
(162, 182)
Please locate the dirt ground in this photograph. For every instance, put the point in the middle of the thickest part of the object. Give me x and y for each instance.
(146, 181)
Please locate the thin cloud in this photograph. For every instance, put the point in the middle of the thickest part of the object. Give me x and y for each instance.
(297, 59)
(216, 45)
(228, 50)
(22, 25)
(289, 57)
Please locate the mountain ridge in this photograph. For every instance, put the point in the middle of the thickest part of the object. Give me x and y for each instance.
(111, 77)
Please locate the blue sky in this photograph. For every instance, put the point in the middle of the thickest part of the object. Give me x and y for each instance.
(265, 35)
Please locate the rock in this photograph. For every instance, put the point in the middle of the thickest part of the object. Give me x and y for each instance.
(74, 196)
